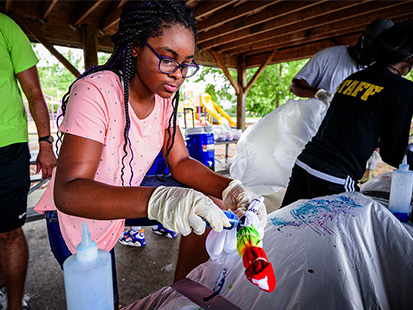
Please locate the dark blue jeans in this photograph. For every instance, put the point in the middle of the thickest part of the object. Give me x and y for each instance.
(60, 249)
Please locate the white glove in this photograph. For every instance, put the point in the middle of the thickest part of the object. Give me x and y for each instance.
(324, 96)
(180, 209)
(238, 198)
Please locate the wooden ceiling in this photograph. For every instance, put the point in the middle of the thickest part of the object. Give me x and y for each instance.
(228, 31)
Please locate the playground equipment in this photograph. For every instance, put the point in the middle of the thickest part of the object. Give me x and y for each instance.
(217, 115)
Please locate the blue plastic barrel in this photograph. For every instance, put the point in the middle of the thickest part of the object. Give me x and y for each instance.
(201, 146)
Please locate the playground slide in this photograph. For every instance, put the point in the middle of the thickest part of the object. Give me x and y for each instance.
(215, 109)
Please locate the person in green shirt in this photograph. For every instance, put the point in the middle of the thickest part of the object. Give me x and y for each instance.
(18, 65)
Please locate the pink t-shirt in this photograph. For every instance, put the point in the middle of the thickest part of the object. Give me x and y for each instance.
(96, 111)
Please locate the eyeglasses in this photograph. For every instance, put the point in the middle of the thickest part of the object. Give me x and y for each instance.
(168, 65)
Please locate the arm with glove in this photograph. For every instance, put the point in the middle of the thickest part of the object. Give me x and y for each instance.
(301, 88)
(238, 198)
(200, 178)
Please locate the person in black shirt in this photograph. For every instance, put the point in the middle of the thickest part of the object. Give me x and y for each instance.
(375, 104)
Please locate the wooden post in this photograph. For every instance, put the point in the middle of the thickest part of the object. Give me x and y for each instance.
(241, 87)
(90, 45)
(242, 94)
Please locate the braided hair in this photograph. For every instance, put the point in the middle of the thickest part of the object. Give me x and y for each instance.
(139, 21)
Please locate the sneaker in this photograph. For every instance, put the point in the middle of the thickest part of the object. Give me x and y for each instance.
(133, 237)
(25, 306)
(3, 298)
(160, 230)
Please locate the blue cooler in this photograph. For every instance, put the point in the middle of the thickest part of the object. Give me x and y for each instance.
(201, 146)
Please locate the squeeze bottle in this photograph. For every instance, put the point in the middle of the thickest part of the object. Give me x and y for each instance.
(232, 218)
(88, 276)
(401, 191)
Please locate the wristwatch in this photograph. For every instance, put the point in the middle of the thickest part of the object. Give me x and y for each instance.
(48, 138)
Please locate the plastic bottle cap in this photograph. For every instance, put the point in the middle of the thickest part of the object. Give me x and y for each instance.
(404, 166)
(86, 250)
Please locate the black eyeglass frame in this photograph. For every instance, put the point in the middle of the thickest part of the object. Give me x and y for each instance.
(178, 65)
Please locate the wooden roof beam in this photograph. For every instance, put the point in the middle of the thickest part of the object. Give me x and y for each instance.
(231, 13)
(290, 54)
(225, 70)
(206, 58)
(7, 6)
(207, 8)
(211, 38)
(40, 38)
(259, 71)
(111, 20)
(46, 9)
(306, 49)
(84, 11)
(292, 21)
(305, 22)
(356, 23)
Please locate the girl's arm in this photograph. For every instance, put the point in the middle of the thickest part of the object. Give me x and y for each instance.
(76, 192)
(191, 172)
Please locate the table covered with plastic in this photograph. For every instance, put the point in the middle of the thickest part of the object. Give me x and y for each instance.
(343, 251)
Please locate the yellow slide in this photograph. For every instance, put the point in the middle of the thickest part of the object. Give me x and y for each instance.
(215, 109)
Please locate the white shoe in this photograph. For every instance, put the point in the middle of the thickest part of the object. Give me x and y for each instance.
(3, 298)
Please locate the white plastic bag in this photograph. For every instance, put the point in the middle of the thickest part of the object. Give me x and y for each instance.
(267, 150)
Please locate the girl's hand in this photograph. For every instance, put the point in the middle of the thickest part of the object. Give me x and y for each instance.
(238, 198)
(184, 209)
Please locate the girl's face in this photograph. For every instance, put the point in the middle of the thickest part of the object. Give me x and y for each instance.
(176, 42)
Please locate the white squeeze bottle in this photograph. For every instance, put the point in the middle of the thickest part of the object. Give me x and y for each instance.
(88, 276)
(401, 191)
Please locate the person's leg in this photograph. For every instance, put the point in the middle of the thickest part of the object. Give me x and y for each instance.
(13, 265)
(14, 186)
(192, 253)
(57, 244)
(61, 251)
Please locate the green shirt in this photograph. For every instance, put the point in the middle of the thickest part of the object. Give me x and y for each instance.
(16, 55)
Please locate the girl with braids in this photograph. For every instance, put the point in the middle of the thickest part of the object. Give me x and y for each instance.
(117, 117)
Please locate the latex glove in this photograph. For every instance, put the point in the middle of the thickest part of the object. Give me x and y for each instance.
(324, 96)
(183, 210)
(238, 198)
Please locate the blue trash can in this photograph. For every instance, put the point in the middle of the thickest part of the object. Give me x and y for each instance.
(201, 146)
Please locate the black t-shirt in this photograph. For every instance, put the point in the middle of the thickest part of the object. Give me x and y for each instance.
(370, 105)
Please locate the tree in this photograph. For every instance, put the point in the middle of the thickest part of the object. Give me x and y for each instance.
(269, 91)
(54, 77)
